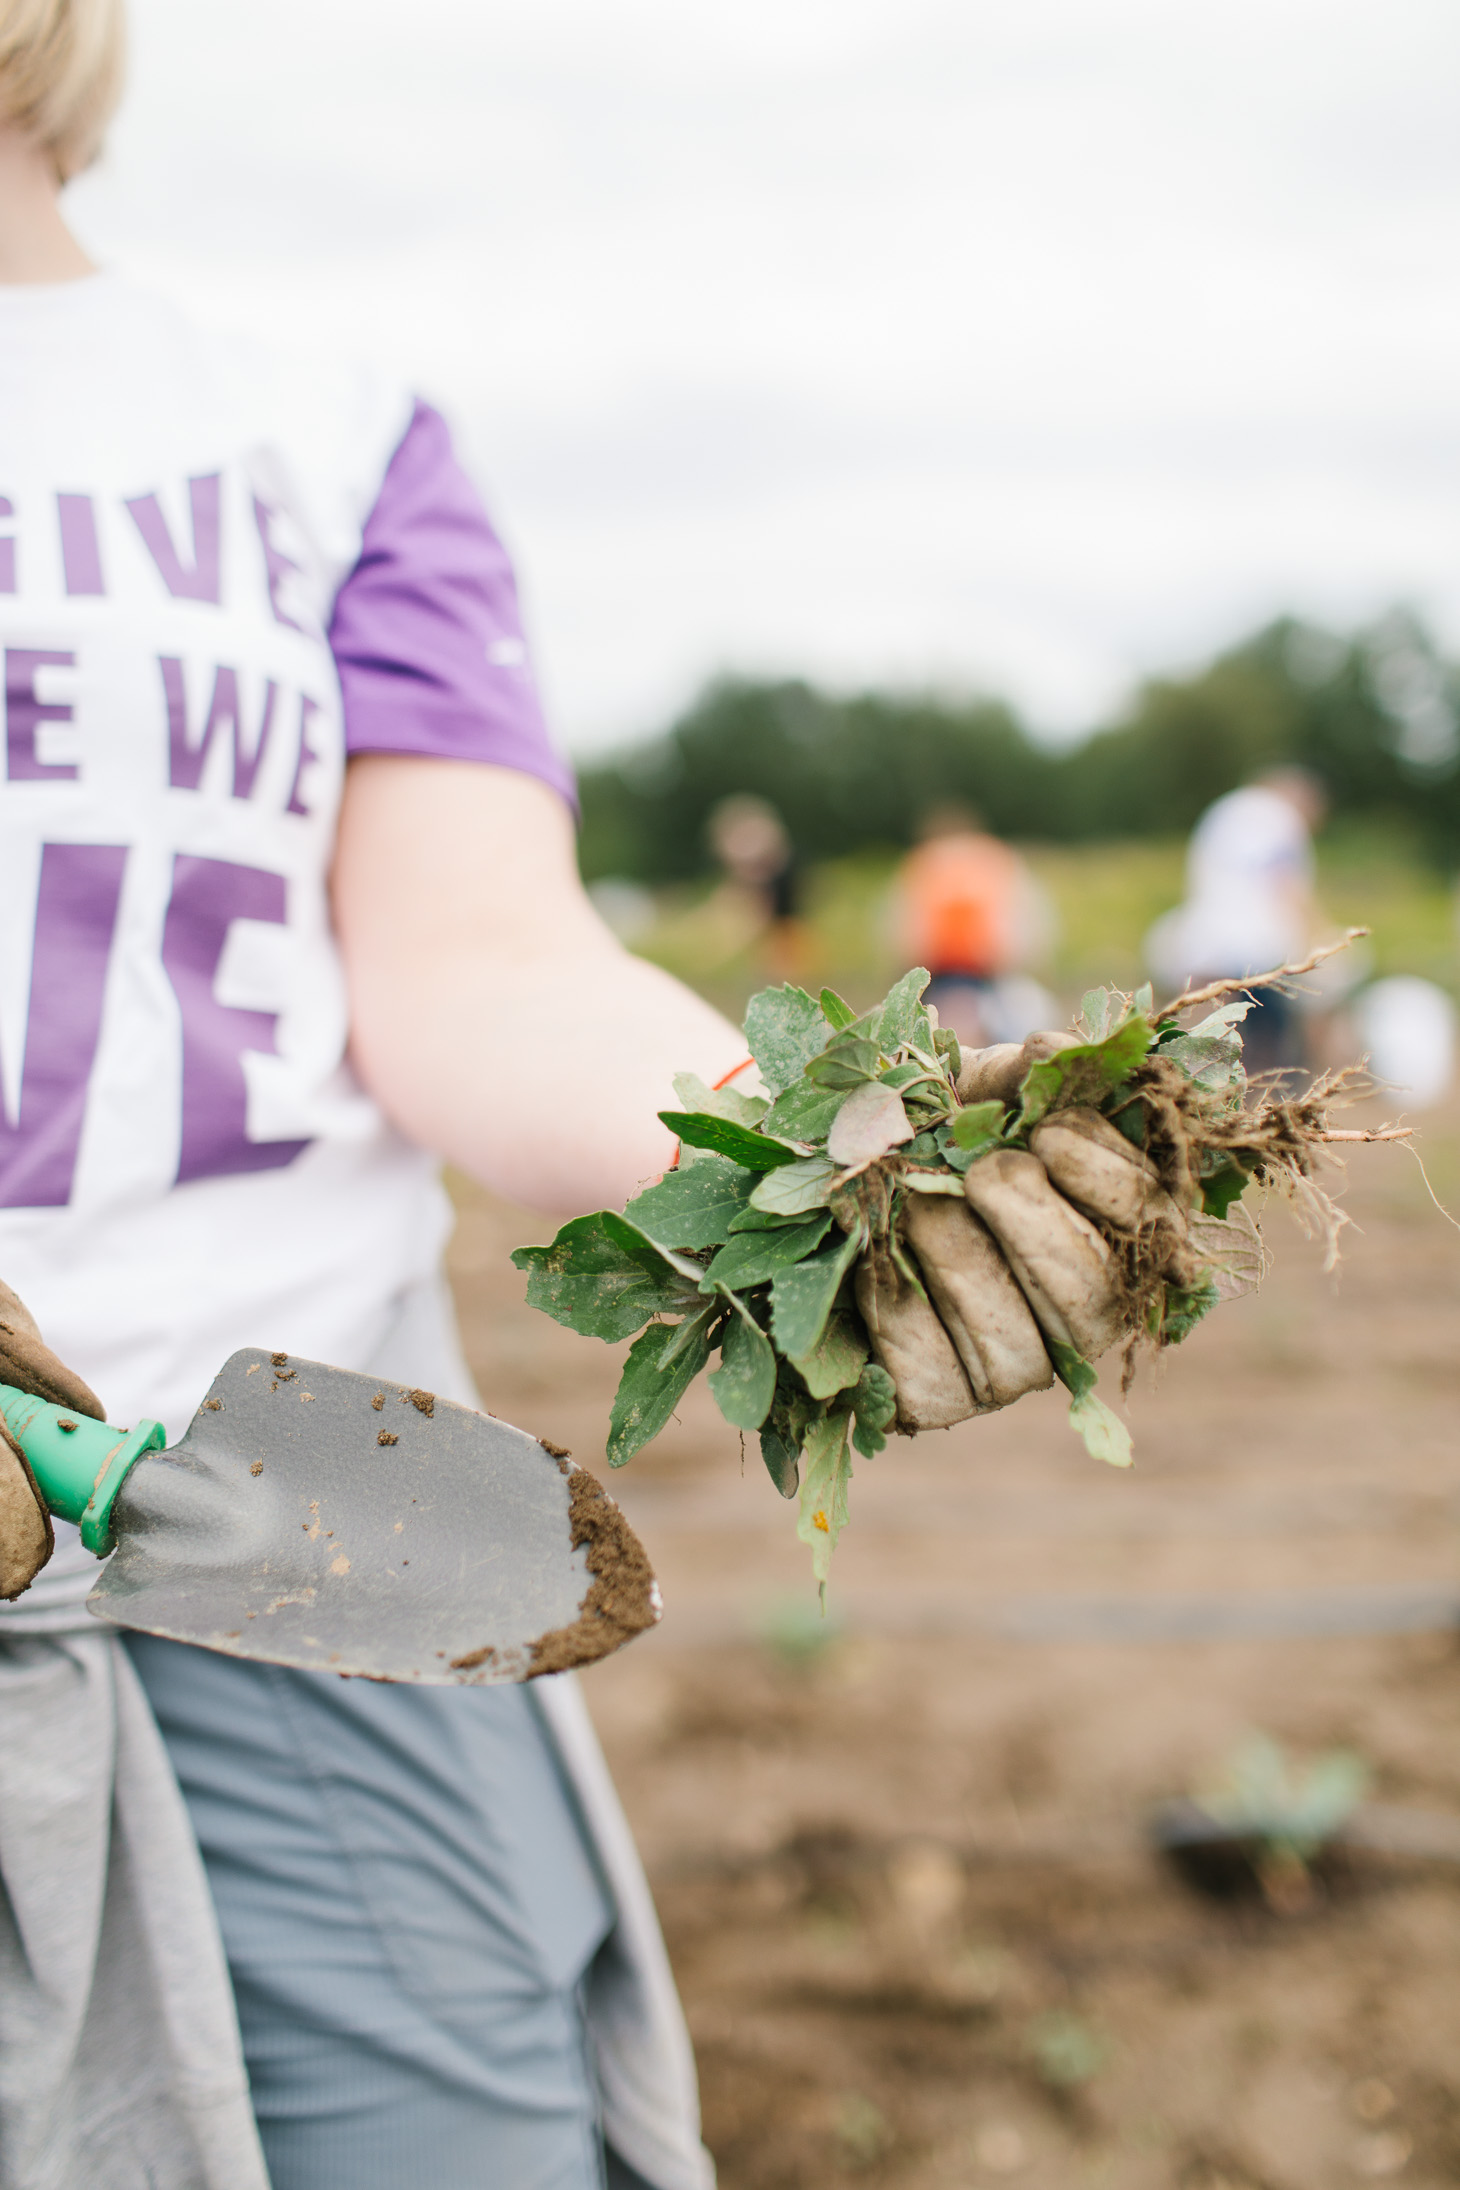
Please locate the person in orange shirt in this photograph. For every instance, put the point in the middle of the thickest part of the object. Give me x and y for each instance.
(970, 911)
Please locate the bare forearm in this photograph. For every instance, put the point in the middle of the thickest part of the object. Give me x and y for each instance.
(493, 1016)
(544, 1082)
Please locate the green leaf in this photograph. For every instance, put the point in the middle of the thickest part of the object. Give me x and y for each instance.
(924, 1148)
(762, 1220)
(796, 1190)
(802, 1297)
(823, 1513)
(845, 1063)
(754, 1258)
(1132, 1123)
(784, 1030)
(875, 1405)
(755, 1151)
(901, 1009)
(937, 1178)
(836, 1360)
(923, 1037)
(601, 1277)
(685, 1337)
(745, 1383)
(1184, 1309)
(652, 1252)
(720, 1102)
(662, 1365)
(1106, 1436)
(1085, 1073)
(1072, 1369)
(837, 1013)
(1225, 1185)
(977, 1125)
(694, 1207)
(1209, 1064)
(1210, 1053)
(805, 1112)
(871, 1122)
(1102, 1011)
(959, 1158)
(782, 1460)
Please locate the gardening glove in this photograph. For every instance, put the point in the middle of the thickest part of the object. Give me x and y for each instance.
(993, 1075)
(1022, 1266)
(911, 1344)
(978, 1300)
(27, 1361)
(27, 1538)
(1102, 1173)
(1066, 1270)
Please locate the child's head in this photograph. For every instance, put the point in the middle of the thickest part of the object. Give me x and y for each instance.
(61, 74)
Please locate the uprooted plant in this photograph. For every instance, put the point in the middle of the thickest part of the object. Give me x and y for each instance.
(901, 1235)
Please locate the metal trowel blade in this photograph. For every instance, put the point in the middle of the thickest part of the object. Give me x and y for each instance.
(317, 1518)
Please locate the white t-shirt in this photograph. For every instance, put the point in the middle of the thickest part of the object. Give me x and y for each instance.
(221, 571)
(1249, 866)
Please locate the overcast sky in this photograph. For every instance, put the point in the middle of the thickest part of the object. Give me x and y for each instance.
(1030, 347)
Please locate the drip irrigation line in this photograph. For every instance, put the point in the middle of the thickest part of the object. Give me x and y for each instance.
(1407, 1608)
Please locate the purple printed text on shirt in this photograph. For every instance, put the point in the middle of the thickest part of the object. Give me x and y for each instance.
(80, 546)
(208, 895)
(26, 712)
(202, 578)
(308, 757)
(279, 568)
(76, 917)
(188, 756)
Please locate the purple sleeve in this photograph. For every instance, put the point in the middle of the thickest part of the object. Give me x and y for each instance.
(426, 631)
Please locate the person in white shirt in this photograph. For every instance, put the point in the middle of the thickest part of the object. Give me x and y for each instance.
(1250, 903)
(289, 911)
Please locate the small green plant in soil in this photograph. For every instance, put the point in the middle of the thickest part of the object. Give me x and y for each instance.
(862, 2130)
(1066, 2050)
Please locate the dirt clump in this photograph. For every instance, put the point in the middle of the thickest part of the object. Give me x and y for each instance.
(623, 1597)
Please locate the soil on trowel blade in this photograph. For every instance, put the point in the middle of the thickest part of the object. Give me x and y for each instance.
(623, 1598)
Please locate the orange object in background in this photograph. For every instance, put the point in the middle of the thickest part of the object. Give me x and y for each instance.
(960, 894)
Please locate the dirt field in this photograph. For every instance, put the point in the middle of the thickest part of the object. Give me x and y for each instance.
(902, 1860)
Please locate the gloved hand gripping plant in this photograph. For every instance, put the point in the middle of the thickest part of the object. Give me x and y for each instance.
(902, 1235)
(27, 1364)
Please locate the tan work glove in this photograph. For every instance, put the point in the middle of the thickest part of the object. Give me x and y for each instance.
(27, 1538)
(1023, 1263)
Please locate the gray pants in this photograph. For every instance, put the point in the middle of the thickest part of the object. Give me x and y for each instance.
(413, 1885)
(413, 1908)
(409, 1906)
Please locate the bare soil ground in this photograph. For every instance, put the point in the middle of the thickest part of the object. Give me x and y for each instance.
(902, 1861)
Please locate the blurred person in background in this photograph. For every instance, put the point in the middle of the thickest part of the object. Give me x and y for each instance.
(967, 907)
(753, 848)
(289, 911)
(1405, 1027)
(1250, 905)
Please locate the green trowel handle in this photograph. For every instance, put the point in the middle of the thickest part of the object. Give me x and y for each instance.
(79, 1464)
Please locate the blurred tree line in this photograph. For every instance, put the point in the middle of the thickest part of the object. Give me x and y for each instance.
(1374, 713)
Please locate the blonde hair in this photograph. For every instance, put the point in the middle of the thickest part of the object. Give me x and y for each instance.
(61, 65)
